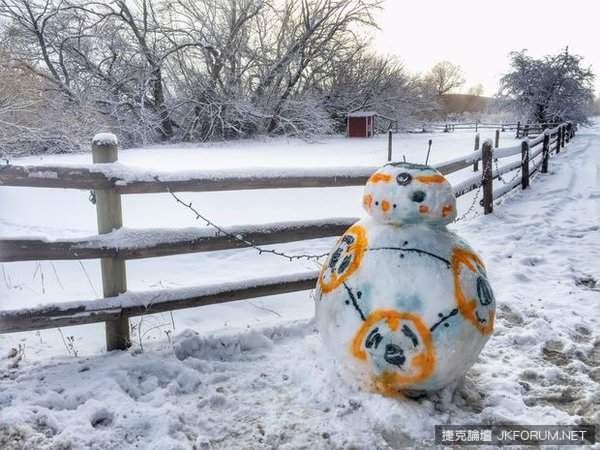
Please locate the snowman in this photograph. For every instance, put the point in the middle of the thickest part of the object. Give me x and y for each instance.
(404, 304)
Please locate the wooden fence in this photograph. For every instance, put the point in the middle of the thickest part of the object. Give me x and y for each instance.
(522, 130)
(109, 180)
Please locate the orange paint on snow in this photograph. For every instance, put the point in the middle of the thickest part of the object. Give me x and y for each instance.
(356, 248)
(367, 200)
(428, 179)
(422, 364)
(424, 209)
(446, 209)
(379, 177)
(385, 205)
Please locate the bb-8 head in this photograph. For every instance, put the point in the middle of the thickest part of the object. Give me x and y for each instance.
(405, 193)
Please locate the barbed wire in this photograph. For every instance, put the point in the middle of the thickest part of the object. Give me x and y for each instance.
(515, 176)
(238, 237)
(475, 201)
(473, 204)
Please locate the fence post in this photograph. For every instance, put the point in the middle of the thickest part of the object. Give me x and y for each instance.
(545, 152)
(558, 140)
(518, 129)
(526, 130)
(109, 215)
(524, 164)
(497, 139)
(389, 145)
(476, 147)
(568, 132)
(486, 177)
(563, 135)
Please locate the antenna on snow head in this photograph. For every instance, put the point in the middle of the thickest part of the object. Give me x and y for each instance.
(428, 151)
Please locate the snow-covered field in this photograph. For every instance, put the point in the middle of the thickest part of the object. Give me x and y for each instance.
(252, 374)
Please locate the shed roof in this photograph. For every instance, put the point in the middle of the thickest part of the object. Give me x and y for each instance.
(361, 114)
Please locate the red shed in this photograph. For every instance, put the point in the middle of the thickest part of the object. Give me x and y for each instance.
(360, 124)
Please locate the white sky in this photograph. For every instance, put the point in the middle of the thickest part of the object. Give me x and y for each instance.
(478, 35)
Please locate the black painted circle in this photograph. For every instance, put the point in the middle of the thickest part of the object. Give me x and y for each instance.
(404, 178)
(418, 196)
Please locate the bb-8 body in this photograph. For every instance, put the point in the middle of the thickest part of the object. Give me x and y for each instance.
(402, 302)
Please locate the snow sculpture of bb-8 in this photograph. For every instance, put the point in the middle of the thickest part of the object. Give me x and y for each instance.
(402, 302)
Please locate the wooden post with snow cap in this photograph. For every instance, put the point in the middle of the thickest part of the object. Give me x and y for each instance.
(545, 152)
(110, 217)
(525, 164)
(497, 139)
(476, 147)
(486, 177)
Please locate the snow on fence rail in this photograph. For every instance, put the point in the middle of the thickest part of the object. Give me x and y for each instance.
(115, 244)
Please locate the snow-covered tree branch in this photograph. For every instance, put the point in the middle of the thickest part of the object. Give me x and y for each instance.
(554, 88)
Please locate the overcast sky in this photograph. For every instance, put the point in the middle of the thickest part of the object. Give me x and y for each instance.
(478, 35)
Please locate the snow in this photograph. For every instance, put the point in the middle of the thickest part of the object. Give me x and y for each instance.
(129, 238)
(124, 174)
(253, 374)
(507, 151)
(105, 139)
(42, 174)
(154, 297)
(361, 114)
(375, 295)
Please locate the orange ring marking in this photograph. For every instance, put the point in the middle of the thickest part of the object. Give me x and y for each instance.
(357, 248)
(424, 362)
(467, 306)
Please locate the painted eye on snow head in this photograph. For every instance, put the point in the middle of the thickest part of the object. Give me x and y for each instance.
(484, 292)
(418, 196)
(404, 179)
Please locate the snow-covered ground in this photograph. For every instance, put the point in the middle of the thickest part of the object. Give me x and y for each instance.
(252, 374)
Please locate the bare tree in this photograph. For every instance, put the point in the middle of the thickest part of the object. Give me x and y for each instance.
(365, 81)
(445, 76)
(195, 69)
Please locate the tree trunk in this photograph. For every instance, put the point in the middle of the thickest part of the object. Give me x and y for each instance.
(166, 126)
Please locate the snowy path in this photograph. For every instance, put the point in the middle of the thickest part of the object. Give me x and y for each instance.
(275, 388)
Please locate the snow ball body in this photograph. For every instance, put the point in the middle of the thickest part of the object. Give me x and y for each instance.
(402, 302)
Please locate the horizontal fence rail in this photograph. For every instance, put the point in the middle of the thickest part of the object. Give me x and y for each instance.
(149, 302)
(148, 243)
(129, 181)
(114, 244)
